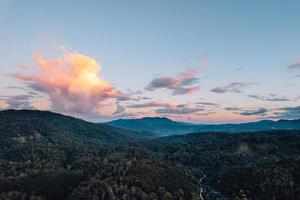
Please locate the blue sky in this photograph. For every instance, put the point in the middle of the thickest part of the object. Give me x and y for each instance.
(242, 47)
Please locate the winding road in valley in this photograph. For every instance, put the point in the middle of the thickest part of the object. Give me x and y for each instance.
(201, 189)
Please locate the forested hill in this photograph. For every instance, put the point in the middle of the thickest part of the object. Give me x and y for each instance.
(48, 156)
(257, 165)
(45, 126)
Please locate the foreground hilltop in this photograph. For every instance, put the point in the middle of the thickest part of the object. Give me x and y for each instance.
(45, 155)
(53, 128)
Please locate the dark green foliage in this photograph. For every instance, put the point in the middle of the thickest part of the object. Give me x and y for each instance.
(142, 179)
(44, 155)
(216, 154)
(279, 180)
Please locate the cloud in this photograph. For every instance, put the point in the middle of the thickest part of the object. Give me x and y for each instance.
(151, 104)
(119, 109)
(288, 113)
(231, 87)
(181, 91)
(71, 81)
(168, 108)
(232, 109)
(207, 103)
(15, 87)
(259, 111)
(18, 101)
(270, 97)
(178, 110)
(294, 66)
(247, 112)
(178, 85)
(125, 115)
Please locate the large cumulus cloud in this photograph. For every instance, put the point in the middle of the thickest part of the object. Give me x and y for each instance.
(71, 81)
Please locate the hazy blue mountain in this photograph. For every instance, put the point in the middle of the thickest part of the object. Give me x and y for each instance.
(160, 126)
(165, 126)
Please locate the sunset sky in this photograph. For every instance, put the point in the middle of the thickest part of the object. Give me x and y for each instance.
(196, 61)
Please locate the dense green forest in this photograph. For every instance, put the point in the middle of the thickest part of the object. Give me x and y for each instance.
(45, 155)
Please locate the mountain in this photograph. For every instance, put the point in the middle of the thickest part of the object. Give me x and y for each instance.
(160, 126)
(52, 128)
(49, 156)
(164, 126)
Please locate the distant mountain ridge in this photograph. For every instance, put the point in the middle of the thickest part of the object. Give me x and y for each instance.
(162, 126)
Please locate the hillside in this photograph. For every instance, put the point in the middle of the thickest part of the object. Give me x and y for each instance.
(165, 126)
(240, 156)
(53, 128)
(45, 155)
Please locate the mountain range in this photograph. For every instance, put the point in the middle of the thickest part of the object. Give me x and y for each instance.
(162, 126)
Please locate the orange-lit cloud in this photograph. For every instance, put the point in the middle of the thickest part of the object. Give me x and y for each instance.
(72, 82)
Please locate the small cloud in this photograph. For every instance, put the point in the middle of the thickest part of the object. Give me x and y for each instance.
(259, 111)
(178, 110)
(270, 97)
(232, 109)
(151, 104)
(125, 114)
(24, 66)
(181, 90)
(295, 65)
(15, 87)
(207, 103)
(119, 109)
(234, 87)
(247, 112)
(18, 101)
(288, 113)
(178, 85)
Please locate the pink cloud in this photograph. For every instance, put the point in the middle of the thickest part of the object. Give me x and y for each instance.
(71, 81)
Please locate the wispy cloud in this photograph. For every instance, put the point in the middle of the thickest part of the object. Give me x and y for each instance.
(288, 113)
(235, 87)
(207, 103)
(151, 104)
(270, 97)
(247, 111)
(178, 85)
(18, 101)
(295, 65)
(178, 110)
(168, 108)
(71, 81)
(259, 111)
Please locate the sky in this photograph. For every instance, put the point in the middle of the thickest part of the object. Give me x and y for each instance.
(196, 61)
